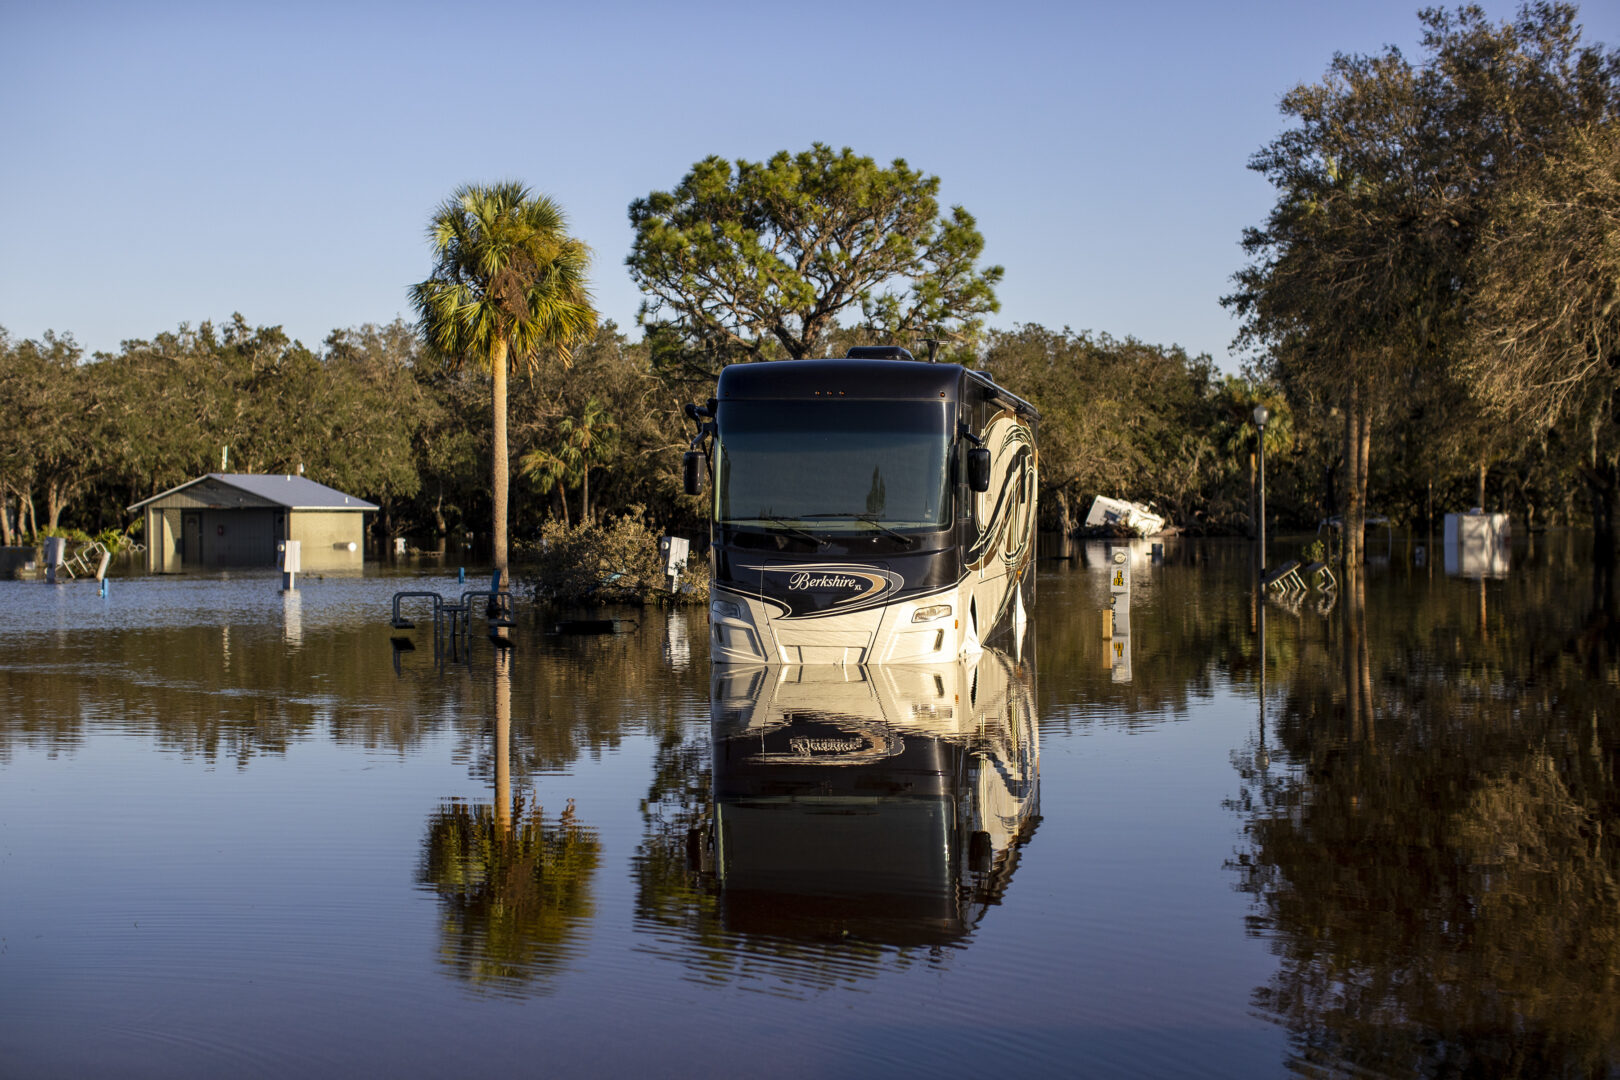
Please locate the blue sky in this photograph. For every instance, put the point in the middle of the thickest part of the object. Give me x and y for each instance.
(166, 163)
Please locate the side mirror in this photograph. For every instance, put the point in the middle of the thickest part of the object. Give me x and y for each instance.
(695, 463)
(978, 463)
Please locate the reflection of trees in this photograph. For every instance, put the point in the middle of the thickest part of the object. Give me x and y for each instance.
(670, 880)
(238, 692)
(1429, 847)
(515, 899)
(1187, 637)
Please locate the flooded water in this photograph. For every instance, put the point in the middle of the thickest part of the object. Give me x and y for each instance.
(1364, 832)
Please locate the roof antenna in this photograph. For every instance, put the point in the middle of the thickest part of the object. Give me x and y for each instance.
(933, 347)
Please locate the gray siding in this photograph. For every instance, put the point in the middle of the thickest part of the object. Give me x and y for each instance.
(205, 494)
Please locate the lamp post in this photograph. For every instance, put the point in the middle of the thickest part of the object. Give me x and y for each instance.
(1261, 415)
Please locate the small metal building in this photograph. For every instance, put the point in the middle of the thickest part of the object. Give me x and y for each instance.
(237, 519)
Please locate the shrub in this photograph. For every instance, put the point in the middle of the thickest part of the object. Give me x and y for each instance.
(613, 563)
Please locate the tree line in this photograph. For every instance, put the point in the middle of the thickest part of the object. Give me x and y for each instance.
(375, 412)
(1436, 285)
(1430, 311)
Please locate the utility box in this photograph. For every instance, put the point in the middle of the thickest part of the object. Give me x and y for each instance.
(674, 550)
(291, 558)
(55, 555)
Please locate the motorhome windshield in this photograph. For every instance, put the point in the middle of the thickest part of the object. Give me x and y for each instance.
(834, 466)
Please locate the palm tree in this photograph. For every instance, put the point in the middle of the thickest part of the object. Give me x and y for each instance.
(581, 444)
(507, 282)
(553, 471)
(592, 438)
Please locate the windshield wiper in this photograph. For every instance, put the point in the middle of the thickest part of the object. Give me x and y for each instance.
(794, 530)
(872, 521)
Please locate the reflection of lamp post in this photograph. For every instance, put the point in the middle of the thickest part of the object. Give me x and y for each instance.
(1263, 758)
(1261, 415)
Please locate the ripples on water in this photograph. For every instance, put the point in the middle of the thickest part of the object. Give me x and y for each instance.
(241, 833)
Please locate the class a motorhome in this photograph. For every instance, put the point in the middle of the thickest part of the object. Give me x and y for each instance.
(869, 509)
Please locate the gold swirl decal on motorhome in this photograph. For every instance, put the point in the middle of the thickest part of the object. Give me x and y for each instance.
(1006, 512)
(866, 586)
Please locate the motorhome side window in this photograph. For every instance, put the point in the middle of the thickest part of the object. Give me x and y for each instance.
(964, 496)
(981, 501)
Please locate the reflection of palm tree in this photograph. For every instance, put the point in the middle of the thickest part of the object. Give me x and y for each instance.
(515, 897)
(514, 887)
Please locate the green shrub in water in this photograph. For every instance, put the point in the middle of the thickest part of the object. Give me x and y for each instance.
(613, 563)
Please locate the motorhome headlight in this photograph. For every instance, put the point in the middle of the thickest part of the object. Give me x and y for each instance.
(931, 612)
(725, 609)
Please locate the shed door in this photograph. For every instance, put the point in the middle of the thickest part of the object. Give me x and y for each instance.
(191, 538)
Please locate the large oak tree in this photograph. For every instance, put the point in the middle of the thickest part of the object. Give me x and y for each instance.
(747, 261)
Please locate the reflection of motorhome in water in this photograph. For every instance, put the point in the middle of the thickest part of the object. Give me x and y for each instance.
(866, 510)
(888, 803)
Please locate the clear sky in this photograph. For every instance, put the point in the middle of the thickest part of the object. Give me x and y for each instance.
(167, 162)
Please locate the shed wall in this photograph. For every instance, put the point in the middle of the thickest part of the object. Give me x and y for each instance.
(325, 537)
(163, 541)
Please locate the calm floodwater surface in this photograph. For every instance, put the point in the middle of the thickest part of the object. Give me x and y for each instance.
(240, 833)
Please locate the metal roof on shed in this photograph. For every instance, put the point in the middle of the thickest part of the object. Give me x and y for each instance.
(284, 490)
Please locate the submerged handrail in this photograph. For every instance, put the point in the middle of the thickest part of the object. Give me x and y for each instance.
(499, 601)
(452, 620)
(400, 623)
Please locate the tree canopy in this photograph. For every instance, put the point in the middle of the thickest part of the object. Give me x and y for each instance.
(756, 259)
(1364, 291)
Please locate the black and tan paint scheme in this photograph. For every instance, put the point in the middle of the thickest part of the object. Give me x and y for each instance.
(943, 759)
(874, 598)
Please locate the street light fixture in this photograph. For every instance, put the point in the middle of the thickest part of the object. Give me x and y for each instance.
(1261, 415)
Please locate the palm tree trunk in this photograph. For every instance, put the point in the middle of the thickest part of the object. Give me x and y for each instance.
(585, 497)
(498, 480)
(1355, 502)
